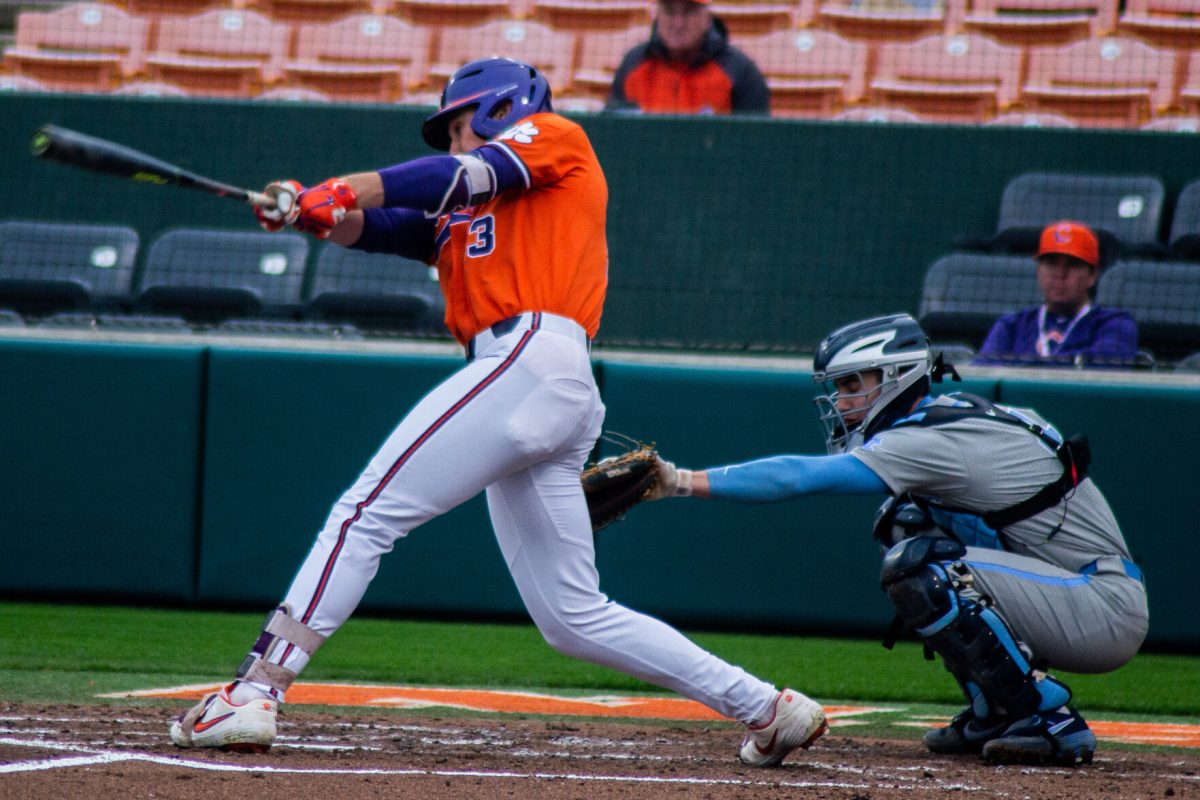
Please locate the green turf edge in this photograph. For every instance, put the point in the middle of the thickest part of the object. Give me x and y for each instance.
(61, 653)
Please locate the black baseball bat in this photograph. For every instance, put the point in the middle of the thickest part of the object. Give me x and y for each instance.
(100, 155)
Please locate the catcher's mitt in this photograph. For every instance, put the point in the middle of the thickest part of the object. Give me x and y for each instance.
(616, 484)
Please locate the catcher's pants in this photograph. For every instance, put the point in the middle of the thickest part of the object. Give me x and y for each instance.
(519, 420)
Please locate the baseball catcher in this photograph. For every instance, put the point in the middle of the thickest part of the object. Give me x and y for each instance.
(999, 551)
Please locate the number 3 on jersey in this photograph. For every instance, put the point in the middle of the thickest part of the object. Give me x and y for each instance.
(484, 231)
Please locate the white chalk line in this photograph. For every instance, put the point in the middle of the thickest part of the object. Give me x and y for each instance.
(94, 758)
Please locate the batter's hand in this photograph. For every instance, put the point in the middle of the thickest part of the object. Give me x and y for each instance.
(285, 211)
(672, 481)
(322, 207)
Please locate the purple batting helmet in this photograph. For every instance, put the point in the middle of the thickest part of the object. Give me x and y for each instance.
(485, 84)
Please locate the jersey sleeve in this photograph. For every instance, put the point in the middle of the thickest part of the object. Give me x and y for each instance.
(542, 148)
(916, 459)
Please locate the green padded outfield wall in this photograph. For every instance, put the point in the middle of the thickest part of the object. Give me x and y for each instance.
(100, 454)
(725, 232)
(286, 434)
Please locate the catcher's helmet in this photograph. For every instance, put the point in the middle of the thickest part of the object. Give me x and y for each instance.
(486, 84)
(895, 347)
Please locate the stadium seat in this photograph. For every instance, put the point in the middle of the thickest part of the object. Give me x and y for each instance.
(1173, 123)
(587, 16)
(877, 114)
(878, 21)
(964, 293)
(532, 42)
(150, 89)
(440, 13)
(755, 17)
(295, 94)
(224, 52)
(575, 103)
(600, 54)
(1110, 82)
(1172, 24)
(208, 275)
(963, 77)
(313, 12)
(1189, 363)
(1189, 91)
(47, 267)
(82, 47)
(1029, 23)
(19, 83)
(1184, 239)
(364, 57)
(1124, 210)
(156, 9)
(1164, 299)
(1028, 119)
(376, 291)
(809, 72)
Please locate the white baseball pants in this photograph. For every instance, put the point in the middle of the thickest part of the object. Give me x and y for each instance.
(519, 420)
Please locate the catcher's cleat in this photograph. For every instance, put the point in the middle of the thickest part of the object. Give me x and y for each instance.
(216, 721)
(1055, 737)
(797, 722)
(966, 733)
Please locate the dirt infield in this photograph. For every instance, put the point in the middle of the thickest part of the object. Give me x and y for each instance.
(110, 752)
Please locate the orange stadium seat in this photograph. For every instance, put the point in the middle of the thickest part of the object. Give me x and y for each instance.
(1189, 92)
(150, 89)
(1026, 119)
(315, 11)
(1163, 23)
(1174, 124)
(223, 52)
(362, 57)
(880, 21)
(877, 114)
(440, 13)
(1040, 22)
(1111, 81)
(532, 42)
(295, 94)
(584, 16)
(963, 77)
(19, 83)
(599, 56)
(755, 17)
(809, 72)
(86, 47)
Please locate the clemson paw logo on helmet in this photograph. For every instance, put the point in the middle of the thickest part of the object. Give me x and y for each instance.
(522, 133)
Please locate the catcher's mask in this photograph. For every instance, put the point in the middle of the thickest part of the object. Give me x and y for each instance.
(486, 84)
(885, 360)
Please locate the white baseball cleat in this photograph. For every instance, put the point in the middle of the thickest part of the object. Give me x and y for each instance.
(216, 721)
(797, 722)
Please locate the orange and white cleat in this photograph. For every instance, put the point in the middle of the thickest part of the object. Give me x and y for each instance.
(217, 721)
(797, 722)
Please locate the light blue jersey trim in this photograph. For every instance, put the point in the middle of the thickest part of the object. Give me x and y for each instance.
(1049, 580)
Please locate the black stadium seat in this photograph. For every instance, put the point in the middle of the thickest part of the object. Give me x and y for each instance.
(47, 267)
(964, 293)
(1124, 210)
(1164, 299)
(1184, 241)
(208, 275)
(376, 291)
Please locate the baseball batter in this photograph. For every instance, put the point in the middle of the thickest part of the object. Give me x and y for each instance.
(513, 216)
(1000, 552)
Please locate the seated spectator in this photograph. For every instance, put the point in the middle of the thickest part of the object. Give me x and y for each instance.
(1066, 329)
(688, 67)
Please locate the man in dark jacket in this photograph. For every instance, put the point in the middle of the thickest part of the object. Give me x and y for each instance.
(688, 67)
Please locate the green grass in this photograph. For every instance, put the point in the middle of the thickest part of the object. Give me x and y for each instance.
(53, 653)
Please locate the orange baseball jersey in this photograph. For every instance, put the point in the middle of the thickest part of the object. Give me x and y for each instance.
(540, 249)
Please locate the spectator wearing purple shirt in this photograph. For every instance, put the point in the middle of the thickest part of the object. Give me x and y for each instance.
(1066, 329)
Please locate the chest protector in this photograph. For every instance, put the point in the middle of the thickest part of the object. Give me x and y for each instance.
(1074, 455)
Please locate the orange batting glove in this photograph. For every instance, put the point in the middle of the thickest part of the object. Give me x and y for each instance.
(322, 207)
(284, 212)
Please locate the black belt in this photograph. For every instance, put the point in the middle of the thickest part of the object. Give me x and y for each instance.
(501, 328)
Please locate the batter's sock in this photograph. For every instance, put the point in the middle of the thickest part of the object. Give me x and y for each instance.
(246, 691)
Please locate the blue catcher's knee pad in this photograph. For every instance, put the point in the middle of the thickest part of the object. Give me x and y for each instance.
(977, 645)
